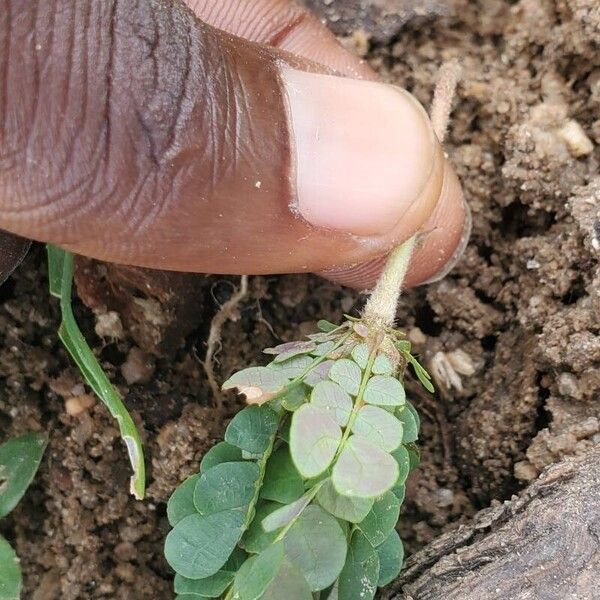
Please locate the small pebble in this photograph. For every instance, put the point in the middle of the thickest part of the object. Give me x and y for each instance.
(79, 404)
(525, 471)
(416, 336)
(108, 325)
(577, 141)
(138, 367)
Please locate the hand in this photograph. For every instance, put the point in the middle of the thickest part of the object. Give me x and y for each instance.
(213, 137)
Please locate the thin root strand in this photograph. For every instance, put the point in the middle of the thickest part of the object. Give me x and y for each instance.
(225, 313)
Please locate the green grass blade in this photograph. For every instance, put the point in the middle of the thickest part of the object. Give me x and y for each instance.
(60, 267)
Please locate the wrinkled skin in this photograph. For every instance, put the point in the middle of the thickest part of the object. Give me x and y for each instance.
(134, 132)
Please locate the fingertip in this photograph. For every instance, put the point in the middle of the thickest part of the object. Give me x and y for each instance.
(444, 238)
(363, 151)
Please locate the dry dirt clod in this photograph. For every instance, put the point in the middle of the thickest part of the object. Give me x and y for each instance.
(77, 405)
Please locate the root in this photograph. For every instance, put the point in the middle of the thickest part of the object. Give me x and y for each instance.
(213, 343)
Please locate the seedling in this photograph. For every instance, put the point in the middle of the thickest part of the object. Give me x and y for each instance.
(19, 460)
(301, 499)
(60, 270)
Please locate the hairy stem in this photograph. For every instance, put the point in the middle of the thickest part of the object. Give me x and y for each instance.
(380, 309)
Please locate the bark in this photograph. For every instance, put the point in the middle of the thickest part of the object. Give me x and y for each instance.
(542, 545)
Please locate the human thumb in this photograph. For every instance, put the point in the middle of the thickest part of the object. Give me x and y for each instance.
(135, 133)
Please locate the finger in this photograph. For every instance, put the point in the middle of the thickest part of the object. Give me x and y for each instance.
(136, 134)
(282, 24)
(285, 24)
(443, 241)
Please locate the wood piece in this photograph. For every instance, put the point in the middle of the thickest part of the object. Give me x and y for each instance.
(542, 545)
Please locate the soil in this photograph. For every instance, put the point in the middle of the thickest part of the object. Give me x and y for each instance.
(512, 334)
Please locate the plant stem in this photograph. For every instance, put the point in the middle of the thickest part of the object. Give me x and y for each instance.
(358, 404)
(380, 309)
(310, 497)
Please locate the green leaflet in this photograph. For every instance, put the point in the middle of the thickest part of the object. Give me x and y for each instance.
(257, 573)
(382, 365)
(286, 514)
(282, 482)
(199, 545)
(359, 577)
(252, 429)
(384, 390)
(20, 458)
(215, 585)
(391, 555)
(410, 425)
(381, 520)
(335, 400)
(316, 545)
(181, 502)
(256, 539)
(422, 375)
(360, 355)
(403, 459)
(350, 509)
(347, 373)
(10, 572)
(226, 486)
(379, 427)
(288, 583)
(363, 469)
(314, 439)
(220, 453)
(256, 382)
